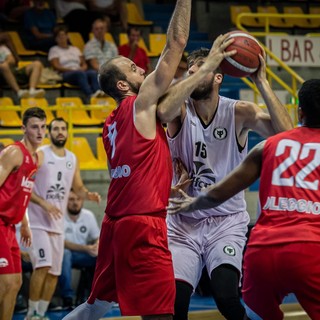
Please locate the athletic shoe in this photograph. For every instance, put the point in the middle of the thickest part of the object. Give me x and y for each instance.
(36, 93)
(54, 307)
(23, 94)
(67, 303)
(34, 317)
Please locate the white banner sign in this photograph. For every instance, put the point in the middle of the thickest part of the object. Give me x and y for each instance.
(295, 51)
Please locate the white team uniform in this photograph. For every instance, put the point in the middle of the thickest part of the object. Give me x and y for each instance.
(53, 183)
(215, 236)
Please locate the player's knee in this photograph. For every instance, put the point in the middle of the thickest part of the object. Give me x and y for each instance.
(183, 293)
(10, 285)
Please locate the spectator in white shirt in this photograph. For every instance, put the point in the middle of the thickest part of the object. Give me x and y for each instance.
(69, 61)
(81, 246)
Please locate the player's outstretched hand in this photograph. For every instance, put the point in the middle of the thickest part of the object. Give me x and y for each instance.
(182, 204)
(94, 196)
(261, 74)
(217, 52)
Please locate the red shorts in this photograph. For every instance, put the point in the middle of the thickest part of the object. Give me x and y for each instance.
(10, 259)
(272, 272)
(134, 266)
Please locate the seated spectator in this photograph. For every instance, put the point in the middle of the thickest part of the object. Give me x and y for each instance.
(76, 16)
(7, 41)
(81, 246)
(115, 11)
(69, 62)
(132, 50)
(98, 50)
(14, 76)
(39, 23)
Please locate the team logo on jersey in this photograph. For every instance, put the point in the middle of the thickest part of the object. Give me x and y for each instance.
(56, 192)
(27, 159)
(229, 250)
(27, 184)
(220, 133)
(202, 177)
(3, 262)
(69, 165)
(83, 229)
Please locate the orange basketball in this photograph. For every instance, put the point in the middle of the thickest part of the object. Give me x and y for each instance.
(246, 60)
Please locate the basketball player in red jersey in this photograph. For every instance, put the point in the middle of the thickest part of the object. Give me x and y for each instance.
(282, 253)
(134, 265)
(18, 166)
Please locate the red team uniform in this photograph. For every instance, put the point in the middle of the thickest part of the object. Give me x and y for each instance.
(133, 258)
(290, 219)
(15, 194)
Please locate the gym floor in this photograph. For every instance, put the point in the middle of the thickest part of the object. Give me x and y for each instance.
(201, 308)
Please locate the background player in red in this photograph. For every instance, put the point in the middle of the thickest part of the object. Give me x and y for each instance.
(281, 255)
(18, 166)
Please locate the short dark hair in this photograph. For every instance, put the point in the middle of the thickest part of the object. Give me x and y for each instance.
(58, 29)
(309, 101)
(130, 28)
(108, 76)
(56, 119)
(34, 112)
(200, 53)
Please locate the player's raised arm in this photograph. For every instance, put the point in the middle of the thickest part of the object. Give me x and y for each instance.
(159, 80)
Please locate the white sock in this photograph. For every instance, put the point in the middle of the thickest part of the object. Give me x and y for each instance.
(43, 307)
(86, 311)
(32, 307)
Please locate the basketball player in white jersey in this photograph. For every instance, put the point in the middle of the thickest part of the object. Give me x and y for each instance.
(58, 172)
(209, 134)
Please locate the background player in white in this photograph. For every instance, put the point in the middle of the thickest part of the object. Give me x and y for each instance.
(282, 253)
(209, 134)
(58, 173)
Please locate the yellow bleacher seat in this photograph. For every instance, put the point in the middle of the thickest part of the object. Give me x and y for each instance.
(76, 40)
(107, 36)
(275, 22)
(101, 153)
(303, 22)
(45, 141)
(87, 161)
(108, 104)
(79, 115)
(9, 118)
(21, 50)
(6, 141)
(37, 102)
(157, 41)
(235, 10)
(123, 39)
(134, 16)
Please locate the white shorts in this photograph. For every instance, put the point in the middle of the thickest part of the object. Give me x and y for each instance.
(207, 242)
(47, 250)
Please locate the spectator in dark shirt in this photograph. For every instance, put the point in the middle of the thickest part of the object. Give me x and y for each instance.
(39, 23)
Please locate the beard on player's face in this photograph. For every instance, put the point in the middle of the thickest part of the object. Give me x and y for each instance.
(59, 143)
(203, 91)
